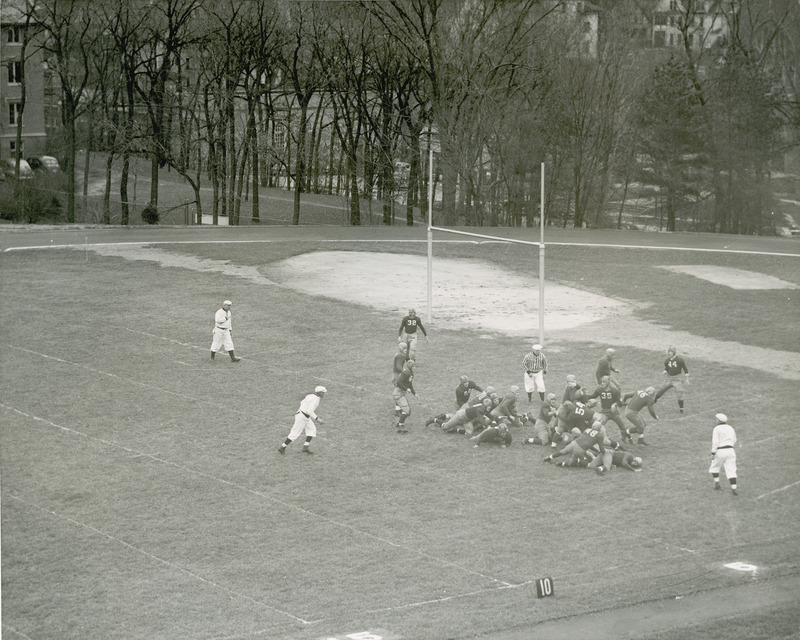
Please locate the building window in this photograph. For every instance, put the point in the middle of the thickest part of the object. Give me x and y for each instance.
(673, 5)
(14, 113)
(14, 34)
(660, 19)
(14, 72)
(13, 148)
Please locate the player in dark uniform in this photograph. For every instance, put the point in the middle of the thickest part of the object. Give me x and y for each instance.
(408, 331)
(677, 376)
(594, 435)
(464, 389)
(466, 419)
(636, 402)
(609, 405)
(403, 385)
(508, 407)
(573, 391)
(544, 424)
(400, 359)
(399, 363)
(605, 367)
(496, 432)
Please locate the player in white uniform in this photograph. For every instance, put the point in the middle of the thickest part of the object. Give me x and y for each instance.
(304, 420)
(221, 336)
(723, 454)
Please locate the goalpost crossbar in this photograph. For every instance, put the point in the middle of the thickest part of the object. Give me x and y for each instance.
(481, 235)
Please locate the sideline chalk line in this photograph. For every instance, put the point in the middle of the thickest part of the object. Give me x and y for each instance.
(498, 240)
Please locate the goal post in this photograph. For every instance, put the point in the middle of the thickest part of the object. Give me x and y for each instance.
(539, 244)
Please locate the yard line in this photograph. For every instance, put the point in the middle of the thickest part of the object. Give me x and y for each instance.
(497, 239)
(167, 563)
(769, 493)
(16, 631)
(265, 496)
(244, 359)
(123, 379)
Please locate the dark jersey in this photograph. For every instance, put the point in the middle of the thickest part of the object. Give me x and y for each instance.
(639, 401)
(463, 391)
(608, 396)
(675, 365)
(573, 394)
(410, 325)
(405, 381)
(604, 368)
(474, 412)
(546, 412)
(582, 417)
(507, 406)
(591, 438)
(399, 362)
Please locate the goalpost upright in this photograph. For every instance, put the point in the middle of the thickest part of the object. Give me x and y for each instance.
(540, 244)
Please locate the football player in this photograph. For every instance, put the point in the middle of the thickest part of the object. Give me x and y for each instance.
(636, 402)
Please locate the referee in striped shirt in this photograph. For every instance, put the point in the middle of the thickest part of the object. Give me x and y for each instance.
(535, 365)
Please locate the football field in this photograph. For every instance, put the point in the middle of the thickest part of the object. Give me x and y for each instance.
(143, 496)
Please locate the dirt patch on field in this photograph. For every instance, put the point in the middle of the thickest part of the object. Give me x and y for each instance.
(466, 295)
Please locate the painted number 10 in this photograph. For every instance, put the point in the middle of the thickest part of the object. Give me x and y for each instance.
(544, 587)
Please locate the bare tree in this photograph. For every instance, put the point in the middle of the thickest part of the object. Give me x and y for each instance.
(71, 33)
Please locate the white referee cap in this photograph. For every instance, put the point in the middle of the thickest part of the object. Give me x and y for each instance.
(537, 347)
(721, 417)
(227, 302)
(320, 389)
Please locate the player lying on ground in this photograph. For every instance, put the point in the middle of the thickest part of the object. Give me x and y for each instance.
(497, 432)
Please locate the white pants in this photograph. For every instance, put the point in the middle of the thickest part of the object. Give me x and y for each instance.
(725, 459)
(302, 423)
(534, 382)
(221, 338)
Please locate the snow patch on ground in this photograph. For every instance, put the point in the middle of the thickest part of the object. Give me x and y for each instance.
(466, 294)
(733, 278)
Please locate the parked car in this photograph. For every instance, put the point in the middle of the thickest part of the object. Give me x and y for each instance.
(44, 163)
(10, 166)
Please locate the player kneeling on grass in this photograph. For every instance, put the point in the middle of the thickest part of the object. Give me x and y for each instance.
(545, 422)
(496, 432)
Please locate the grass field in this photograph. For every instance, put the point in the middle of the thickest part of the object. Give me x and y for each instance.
(143, 497)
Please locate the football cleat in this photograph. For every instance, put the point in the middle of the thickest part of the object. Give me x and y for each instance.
(548, 459)
(600, 471)
(281, 450)
(735, 492)
(308, 451)
(717, 487)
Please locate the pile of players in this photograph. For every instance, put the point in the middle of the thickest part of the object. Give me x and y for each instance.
(575, 427)
(577, 423)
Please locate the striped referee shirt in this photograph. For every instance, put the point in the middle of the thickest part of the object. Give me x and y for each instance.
(534, 363)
